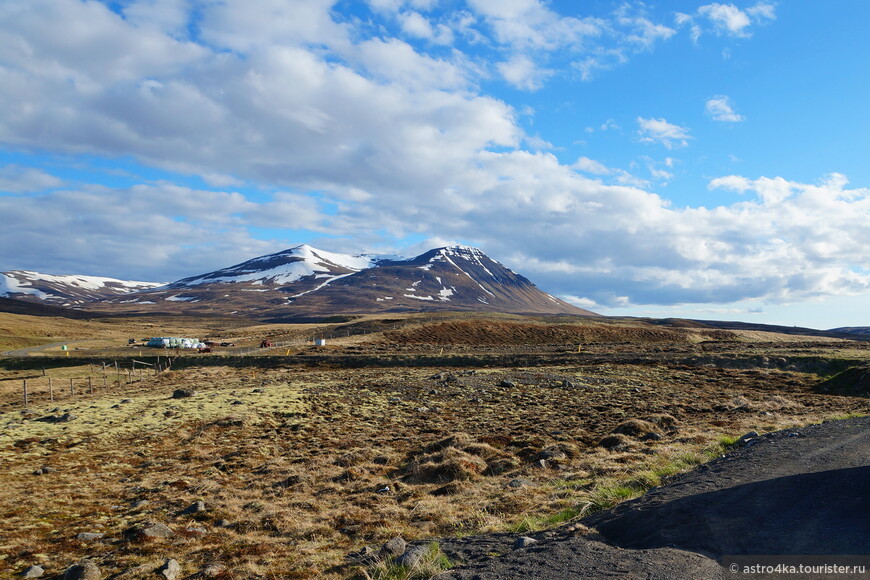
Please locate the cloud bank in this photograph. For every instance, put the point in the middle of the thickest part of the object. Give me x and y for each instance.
(301, 118)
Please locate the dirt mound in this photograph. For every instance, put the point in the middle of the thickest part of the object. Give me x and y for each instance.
(851, 382)
(491, 333)
(457, 458)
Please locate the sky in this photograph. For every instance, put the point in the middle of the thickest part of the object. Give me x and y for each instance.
(664, 159)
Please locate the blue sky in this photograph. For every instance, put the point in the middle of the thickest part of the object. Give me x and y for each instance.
(695, 159)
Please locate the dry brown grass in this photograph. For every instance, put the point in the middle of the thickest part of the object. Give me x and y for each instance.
(300, 466)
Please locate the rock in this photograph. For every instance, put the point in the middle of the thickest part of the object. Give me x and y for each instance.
(183, 393)
(508, 384)
(568, 384)
(223, 524)
(44, 469)
(147, 531)
(33, 572)
(393, 548)
(125, 401)
(194, 508)
(89, 536)
(412, 556)
(66, 418)
(169, 570)
(258, 391)
(139, 504)
(195, 531)
(748, 439)
(541, 464)
(213, 569)
(84, 570)
(518, 482)
(524, 542)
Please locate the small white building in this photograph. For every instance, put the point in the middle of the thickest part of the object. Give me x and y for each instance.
(319, 342)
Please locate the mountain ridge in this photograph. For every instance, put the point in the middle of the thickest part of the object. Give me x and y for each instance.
(306, 281)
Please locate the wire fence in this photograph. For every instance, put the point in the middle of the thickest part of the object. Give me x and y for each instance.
(101, 378)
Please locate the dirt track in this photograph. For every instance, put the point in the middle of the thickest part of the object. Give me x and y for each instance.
(794, 492)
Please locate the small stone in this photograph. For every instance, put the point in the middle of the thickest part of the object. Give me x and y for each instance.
(393, 548)
(524, 542)
(541, 464)
(169, 570)
(183, 393)
(412, 556)
(125, 401)
(66, 418)
(89, 536)
(195, 531)
(223, 524)
(139, 504)
(149, 530)
(33, 572)
(194, 508)
(508, 384)
(213, 569)
(518, 482)
(84, 570)
(748, 439)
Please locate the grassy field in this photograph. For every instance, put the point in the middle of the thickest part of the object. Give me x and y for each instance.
(300, 463)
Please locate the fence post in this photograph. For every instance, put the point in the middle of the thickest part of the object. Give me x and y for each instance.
(25, 392)
(118, 370)
(50, 390)
(105, 383)
(72, 390)
(90, 385)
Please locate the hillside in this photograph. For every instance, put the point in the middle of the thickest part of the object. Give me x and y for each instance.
(305, 282)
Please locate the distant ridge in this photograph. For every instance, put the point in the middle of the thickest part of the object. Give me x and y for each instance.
(305, 282)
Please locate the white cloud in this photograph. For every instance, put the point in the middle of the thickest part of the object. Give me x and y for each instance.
(18, 179)
(523, 73)
(719, 109)
(396, 142)
(591, 166)
(727, 19)
(660, 131)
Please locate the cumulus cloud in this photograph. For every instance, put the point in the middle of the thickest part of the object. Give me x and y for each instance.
(719, 109)
(726, 19)
(398, 143)
(523, 73)
(660, 131)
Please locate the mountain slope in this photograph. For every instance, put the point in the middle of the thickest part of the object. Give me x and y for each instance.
(65, 290)
(304, 281)
(450, 278)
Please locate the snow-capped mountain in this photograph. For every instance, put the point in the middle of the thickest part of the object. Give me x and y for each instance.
(65, 290)
(303, 282)
(287, 267)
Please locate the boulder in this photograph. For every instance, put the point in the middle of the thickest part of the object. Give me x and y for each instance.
(84, 570)
(393, 548)
(169, 570)
(33, 572)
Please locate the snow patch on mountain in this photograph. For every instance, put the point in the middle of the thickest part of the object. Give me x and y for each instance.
(55, 286)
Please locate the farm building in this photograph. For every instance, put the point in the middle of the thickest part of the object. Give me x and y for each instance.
(174, 342)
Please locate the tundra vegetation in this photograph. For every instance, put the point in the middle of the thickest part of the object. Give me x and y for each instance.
(281, 462)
